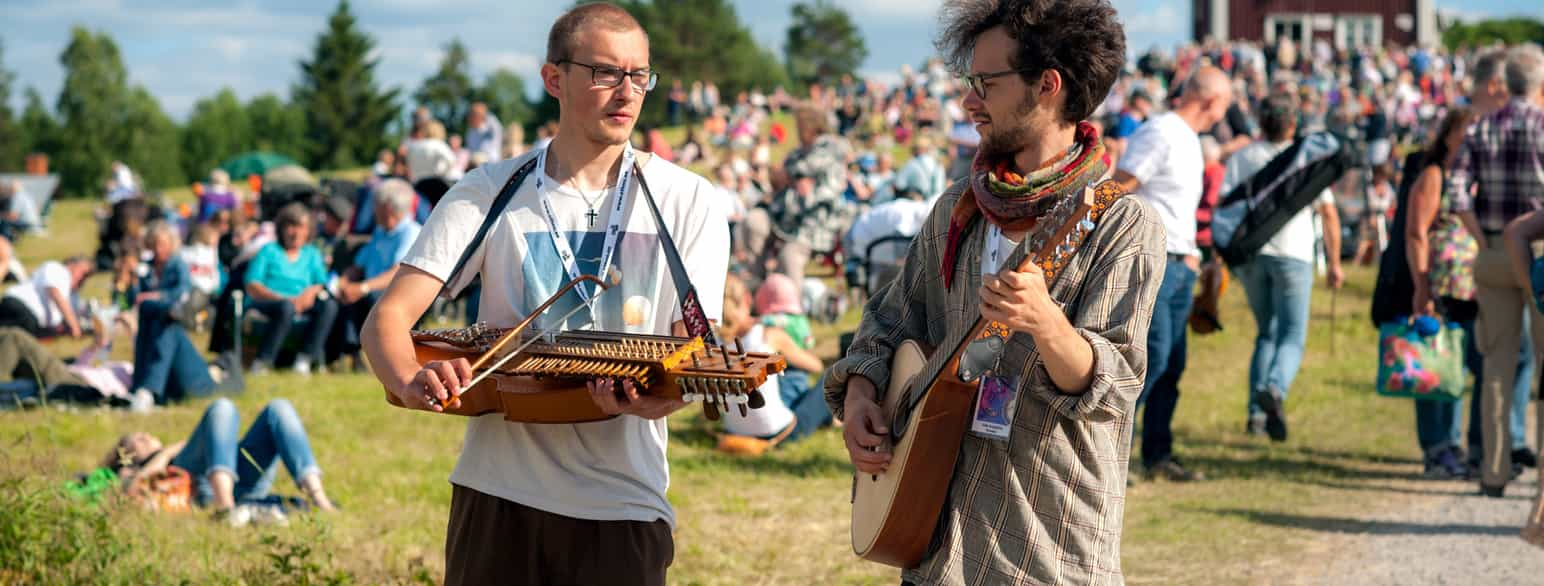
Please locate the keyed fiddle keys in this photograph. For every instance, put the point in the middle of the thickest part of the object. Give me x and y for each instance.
(717, 393)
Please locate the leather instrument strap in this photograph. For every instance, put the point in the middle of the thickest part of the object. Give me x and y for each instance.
(692, 314)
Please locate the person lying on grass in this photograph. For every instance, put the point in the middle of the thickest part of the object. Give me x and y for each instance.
(232, 477)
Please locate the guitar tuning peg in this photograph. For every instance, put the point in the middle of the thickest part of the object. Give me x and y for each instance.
(739, 346)
(710, 410)
(743, 411)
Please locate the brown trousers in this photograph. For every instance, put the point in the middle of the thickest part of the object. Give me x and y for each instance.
(494, 541)
(1499, 335)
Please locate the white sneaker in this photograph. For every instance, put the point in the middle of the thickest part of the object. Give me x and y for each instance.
(142, 401)
(267, 515)
(303, 365)
(237, 516)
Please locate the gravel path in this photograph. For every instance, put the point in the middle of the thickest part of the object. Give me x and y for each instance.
(1437, 533)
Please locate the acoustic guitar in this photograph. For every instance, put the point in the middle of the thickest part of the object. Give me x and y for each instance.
(894, 513)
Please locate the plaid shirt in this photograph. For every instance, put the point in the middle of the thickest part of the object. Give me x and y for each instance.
(1046, 506)
(1503, 159)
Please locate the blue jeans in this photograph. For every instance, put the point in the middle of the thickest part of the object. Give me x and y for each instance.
(276, 434)
(281, 316)
(808, 405)
(165, 361)
(1521, 389)
(1278, 289)
(1165, 361)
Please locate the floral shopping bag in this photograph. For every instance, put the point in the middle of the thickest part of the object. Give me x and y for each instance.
(1421, 359)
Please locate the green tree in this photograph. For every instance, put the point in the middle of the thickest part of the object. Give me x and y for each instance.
(823, 44)
(504, 92)
(11, 140)
(91, 106)
(346, 113)
(149, 141)
(1511, 31)
(448, 92)
(693, 40)
(277, 126)
(217, 130)
(39, 129)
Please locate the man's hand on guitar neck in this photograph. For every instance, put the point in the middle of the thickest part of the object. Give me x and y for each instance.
(865, 430)
(1021, 301)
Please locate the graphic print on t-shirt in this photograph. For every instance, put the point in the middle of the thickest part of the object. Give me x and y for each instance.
(627, 307)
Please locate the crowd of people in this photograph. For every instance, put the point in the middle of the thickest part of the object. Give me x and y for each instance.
(285, 273)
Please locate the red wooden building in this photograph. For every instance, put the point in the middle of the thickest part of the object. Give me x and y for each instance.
(1344, 23)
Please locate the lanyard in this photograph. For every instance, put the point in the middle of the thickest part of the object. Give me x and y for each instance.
(613, 226)
(994, 251)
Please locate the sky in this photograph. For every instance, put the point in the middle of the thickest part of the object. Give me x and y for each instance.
(184, 50)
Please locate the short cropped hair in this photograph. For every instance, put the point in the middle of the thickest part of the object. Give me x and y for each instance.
(1083, 40)
(1278, 116)
(563, 38)
(1524, 70)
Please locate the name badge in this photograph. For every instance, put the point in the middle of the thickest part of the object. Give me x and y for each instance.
(996, 399)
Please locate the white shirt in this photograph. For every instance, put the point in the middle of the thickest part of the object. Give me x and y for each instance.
(203, 267)
(1296, 239)
(429, 158)
(771, 418)
(34, 293)
(1165, 155)
(607, 470)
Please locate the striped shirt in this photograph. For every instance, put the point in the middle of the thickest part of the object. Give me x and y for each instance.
(1046, 506)
(1499, 173)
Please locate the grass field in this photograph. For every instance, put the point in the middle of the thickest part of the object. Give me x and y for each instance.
(781, 519)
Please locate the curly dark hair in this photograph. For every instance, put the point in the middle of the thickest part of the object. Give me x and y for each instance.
(1081, 39)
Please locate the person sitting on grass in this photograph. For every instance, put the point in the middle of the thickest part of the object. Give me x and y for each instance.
(788, 332)
(232, 476)
(285, 279)
(166, 365)
(775, 422)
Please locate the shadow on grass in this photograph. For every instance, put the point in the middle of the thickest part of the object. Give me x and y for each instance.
(1445, 489)
(1296, 469)
(1359, 526)
(798, 459)
(1369, 457)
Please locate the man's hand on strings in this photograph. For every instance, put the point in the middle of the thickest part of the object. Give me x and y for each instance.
(436, 384)
(623, 398)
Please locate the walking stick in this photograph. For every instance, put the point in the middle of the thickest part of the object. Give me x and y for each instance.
(1334, 294)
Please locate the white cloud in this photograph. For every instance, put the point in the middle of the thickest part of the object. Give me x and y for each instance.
(1161, 20)
(862, 10)
(524, 64)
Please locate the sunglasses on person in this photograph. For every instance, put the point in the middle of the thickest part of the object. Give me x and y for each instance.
(607, 76)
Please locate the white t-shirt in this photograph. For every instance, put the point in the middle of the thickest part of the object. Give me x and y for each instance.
(34, 293)
(1296, 239)
(203, 267)
(771, 418)
(1165, 155)
(607, 470)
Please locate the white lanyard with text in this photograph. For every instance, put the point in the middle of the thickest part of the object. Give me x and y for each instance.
(994, 251)
(613, 226)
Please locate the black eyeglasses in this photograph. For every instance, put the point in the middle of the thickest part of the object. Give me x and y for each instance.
(607, 76)
(977, 81)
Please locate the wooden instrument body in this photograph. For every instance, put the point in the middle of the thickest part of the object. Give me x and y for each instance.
(548, 383)
(899, 535)
(895, 512)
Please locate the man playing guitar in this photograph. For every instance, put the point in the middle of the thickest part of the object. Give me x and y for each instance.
(562, 503)
(1038, 498)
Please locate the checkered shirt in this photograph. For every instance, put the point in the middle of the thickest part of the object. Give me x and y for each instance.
(1044, 507)
(1499, 173)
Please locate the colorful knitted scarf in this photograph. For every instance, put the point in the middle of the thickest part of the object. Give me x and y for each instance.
(1014, 202)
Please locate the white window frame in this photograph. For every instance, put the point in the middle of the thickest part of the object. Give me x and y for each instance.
(1348, 26)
